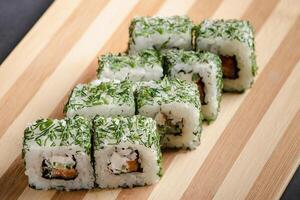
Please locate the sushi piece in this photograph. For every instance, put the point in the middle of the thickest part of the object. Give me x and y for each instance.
(160, 33)
(104, 98)
(144, 66)
(233, 40)
(202, 68)
(175, 105)
(127, 152)
(57, 154)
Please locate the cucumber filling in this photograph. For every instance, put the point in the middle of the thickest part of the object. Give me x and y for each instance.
(124, 160)
(229, 67)
(59, 167)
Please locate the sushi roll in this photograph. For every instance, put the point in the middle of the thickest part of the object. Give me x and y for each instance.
(57, 154)
(175, 105)
(202, 68)
(160, 33)
(127, 152)
(144, 66)
(105, 98)
(233, 40)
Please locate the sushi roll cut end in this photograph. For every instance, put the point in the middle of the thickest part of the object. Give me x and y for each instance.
(127, 152)
(203, 69)
(234, 41)
(175, 106)
(57, 154)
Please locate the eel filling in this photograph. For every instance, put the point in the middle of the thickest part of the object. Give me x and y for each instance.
(229, 67)
(199, 82)
(59, 167)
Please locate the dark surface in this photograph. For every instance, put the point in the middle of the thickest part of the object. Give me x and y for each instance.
(16, 19)
(292, 192)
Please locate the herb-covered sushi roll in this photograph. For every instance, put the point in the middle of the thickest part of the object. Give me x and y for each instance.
(175, 105)
(202, 68)
(104, 98)
(127, 152)
(144, 66)
(160, 33)
(57, 154)
(233, 40)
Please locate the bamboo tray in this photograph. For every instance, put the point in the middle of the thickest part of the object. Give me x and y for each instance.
(249, 152)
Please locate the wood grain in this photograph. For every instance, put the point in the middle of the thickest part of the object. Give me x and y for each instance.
(232, 140)
(243, 153)
(46, 62)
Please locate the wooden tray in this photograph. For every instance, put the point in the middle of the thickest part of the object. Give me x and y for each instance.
(250, 151)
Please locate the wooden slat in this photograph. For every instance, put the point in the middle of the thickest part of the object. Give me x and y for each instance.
(262, 9)
(13, 176)
(250, 163)
(191, 160)
(283, 162)
(143, 8)
(30, 194)
(220, 167)
(140, 193)
(35, 40)
(68, 69)
(175, 7)
(226, 10)
(45, 63)
(233, 140)
(210, 135)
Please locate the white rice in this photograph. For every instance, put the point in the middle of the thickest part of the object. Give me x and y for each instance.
(242, 54)
(35, 156)
(181, 41)
(191, 123)
(109, 109)
(139, 73)
(106, 179)
(103, 110)
(208, 73)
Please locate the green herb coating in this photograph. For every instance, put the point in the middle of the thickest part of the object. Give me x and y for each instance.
(146, 26)
(53, 133)
(173, 57)
(146, 58)
(137, 130)
(168, 91)
(232, 29)
(104, 93)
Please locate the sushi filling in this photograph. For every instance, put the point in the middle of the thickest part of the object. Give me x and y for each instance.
(169, 125)
(198, 80)
(229, 67)
(59, 167)
(124, 160)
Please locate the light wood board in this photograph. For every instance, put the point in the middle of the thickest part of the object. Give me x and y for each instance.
(251, 150)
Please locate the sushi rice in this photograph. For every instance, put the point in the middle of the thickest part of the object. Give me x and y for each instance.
(202, 68)
(57, 154)
(102, 97)
(233, 40)
(144, 66)
(175, 106)
(160, 33)
(116, 125)
(127, 152)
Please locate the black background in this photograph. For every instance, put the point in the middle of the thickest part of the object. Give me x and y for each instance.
(16, 19)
